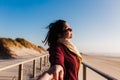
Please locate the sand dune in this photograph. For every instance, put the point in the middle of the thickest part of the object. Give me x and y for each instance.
(10, 48)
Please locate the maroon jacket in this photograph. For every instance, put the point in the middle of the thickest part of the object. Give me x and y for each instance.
(60, 54)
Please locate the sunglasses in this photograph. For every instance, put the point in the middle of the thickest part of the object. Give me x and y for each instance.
(69, 29)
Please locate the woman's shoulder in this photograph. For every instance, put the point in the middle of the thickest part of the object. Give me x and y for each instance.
(56, 48)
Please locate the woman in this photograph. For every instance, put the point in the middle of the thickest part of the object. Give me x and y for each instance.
(64, 57)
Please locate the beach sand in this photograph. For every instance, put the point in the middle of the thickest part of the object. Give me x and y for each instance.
(109, 65)
(12, 73)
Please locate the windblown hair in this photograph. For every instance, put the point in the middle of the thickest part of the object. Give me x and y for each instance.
(55, 29)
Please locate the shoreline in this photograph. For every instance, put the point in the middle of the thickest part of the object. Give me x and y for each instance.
(101, 54)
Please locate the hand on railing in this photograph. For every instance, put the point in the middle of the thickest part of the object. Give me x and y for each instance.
(54, 73)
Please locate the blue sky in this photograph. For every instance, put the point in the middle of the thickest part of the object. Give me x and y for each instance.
(95, 23)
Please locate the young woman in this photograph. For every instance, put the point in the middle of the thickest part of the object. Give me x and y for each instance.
(64, 57)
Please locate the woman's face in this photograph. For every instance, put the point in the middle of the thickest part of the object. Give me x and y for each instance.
(68, 32)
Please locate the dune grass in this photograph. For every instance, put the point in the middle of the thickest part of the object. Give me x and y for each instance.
(7, 43)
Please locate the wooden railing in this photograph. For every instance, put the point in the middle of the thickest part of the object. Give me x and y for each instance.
(21, 64)
(46, 60)
(108, 77)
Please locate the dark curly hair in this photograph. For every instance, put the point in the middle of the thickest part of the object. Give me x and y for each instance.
(55, 29)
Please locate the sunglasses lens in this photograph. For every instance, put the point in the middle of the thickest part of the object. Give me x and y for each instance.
(69, 29)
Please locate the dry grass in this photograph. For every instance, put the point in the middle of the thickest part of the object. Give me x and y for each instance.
(7, 43)
(30, 45)
(24, 42)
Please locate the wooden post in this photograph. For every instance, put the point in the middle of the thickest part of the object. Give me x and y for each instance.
(84, 72)
(44, 60)
(34, 68)
(40, 63)
(47, 59)
(20, 73)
